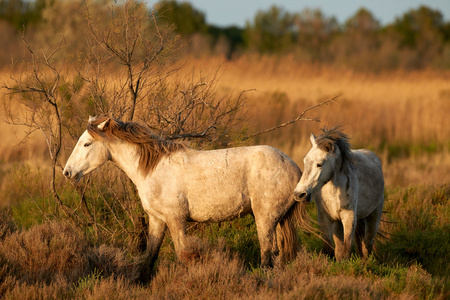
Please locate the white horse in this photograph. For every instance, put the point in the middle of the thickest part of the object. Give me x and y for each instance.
(348, 188)
(178, 184)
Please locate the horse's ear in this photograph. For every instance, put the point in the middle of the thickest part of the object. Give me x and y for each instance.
(103, 125)
(312, 139)
(329, 147)
(91, 119)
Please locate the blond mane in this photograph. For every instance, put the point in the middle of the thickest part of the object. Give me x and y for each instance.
(151, 147)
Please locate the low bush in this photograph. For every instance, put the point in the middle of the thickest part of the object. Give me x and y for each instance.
(7, 225)
(111, 261)
(419, 228)
(46, 253)
(215, 271)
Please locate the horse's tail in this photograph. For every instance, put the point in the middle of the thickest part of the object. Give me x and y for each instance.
(287, 238)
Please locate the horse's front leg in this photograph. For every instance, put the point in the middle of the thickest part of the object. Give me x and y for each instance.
(348, 225)
(325, 226)
(156, 231)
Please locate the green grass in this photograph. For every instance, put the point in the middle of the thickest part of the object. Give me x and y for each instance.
(239, 236)
(88, 282)
(420, 228)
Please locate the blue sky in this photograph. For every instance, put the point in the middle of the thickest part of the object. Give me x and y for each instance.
(237, 12)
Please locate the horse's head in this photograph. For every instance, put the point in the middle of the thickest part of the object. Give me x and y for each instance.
(88, 154)
(319, 167)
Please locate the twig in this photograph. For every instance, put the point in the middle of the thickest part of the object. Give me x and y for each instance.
(298, 118)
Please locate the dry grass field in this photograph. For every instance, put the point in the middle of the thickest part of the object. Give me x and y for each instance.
(402, 116)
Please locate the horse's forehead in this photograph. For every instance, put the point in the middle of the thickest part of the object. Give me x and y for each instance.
(315, 154)
(85, 136)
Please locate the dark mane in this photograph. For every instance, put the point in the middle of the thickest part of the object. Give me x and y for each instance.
(334, 137)
(151, 147)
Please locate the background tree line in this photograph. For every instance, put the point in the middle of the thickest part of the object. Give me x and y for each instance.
(420, 38)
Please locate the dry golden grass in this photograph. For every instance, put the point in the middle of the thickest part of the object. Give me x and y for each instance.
(402, 116)
(398, 99)
(16, 146)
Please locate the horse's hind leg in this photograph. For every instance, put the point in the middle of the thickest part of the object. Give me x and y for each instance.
(266, 236)
(359, 236)
(372, 224)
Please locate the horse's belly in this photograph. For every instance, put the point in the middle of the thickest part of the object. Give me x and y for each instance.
(218, 209)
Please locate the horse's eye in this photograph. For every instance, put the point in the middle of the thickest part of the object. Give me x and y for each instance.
(319, 165)
(87, 144)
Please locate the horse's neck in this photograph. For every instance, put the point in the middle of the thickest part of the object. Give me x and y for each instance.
(344, 175)
(125, 156)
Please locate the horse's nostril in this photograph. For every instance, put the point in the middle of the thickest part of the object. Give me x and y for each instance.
(301, 195)
(67, 174)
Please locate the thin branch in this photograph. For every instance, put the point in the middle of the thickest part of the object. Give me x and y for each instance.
(298, 118)
(191, 135)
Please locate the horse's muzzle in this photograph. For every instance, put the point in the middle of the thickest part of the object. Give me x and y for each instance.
(69, 175)
(303, 197)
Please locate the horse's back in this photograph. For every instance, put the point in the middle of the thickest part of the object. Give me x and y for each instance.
(257, 167)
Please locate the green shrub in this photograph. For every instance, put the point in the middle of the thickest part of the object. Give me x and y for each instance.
(86, 284)
(420, 230)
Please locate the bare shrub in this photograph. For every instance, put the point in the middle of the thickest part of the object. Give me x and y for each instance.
(113, 262)
(46, 253)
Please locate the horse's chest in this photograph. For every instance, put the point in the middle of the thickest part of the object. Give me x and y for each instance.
(330, 208)
(332, 202)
